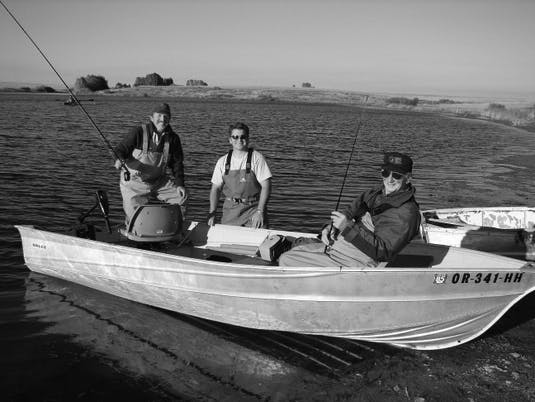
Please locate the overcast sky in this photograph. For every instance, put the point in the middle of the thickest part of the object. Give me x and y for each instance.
(404, 46)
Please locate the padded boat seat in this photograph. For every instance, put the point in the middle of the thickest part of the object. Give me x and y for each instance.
(411, 260)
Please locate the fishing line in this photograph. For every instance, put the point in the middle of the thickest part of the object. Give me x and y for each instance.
(126, 172)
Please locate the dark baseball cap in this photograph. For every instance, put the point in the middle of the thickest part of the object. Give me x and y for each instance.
(397, 162)
(162, 108)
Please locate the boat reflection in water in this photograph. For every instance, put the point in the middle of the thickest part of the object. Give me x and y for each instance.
(187, 356)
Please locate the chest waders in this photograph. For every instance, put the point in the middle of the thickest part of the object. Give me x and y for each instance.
(242, 192)
(147, 174)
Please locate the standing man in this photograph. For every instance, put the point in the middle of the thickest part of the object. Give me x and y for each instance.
(374, 228)
(245, 180)
(153, 154)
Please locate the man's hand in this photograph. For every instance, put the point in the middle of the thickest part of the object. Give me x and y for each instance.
(367, 222)
(182, 194)
(339, 220)
(257, 220)
(326, 234)
(210, 220)
(118, 164)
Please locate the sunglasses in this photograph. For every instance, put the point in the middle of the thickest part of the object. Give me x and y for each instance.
(239, 137)
(386, 173)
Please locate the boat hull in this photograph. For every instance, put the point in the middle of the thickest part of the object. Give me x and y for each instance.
(450, 299)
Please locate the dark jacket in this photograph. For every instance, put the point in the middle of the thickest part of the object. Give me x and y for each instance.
(396, 218)
(134, 140)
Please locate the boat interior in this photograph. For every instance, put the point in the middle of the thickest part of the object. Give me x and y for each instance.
(241, 245)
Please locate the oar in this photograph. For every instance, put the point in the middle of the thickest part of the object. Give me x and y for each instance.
(123, 164)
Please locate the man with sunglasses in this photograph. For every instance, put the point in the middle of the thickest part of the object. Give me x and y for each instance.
(244, 178)
(374, 228)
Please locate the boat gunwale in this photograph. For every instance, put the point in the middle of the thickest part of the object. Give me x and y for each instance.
(339, 269)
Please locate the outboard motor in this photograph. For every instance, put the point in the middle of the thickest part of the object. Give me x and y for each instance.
(87, 230)
(155, 222)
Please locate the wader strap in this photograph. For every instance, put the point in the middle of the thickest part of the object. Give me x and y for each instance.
(227, 162)
(145, 149)
(248, 163)
(165, 155)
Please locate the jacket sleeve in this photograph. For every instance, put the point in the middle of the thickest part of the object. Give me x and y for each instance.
(398, 227)
(129, 143)
(357, 208)
(176, 161)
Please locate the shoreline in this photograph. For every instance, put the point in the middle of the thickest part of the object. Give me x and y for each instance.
(512, 112)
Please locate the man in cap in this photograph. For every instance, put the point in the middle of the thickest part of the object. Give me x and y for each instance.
(153, 155)
(374, 228)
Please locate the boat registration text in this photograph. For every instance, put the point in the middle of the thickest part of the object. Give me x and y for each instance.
(479, 277)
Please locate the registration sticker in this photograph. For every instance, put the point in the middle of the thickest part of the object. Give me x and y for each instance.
(440, 278)
(478, 277)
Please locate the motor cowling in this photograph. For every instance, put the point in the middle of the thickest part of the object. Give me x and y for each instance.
(155, 222)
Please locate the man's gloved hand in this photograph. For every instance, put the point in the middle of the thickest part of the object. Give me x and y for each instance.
(118, 164)
(368, 222)
(326, 234)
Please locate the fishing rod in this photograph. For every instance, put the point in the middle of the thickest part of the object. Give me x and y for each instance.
(351, 154)
(335, 231)
(126, 173)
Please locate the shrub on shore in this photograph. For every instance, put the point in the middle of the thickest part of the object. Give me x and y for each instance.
(153, 79)
(403, 101)
(43, 88)
(446, 101)
(516, 116)
(196, 83)
(40, 89)
(90, 83)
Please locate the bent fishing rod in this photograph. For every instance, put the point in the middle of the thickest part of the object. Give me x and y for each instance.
(335, 231)
(126, 173)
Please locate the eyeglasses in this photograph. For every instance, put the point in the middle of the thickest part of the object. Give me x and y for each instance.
(239, 137)
(386, 173)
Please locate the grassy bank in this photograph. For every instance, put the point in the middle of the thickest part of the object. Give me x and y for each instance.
(513, 112)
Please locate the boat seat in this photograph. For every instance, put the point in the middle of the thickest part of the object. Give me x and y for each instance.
(423, 228)
(411, 261)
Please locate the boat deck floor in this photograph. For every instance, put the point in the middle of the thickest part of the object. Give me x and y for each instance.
(236, 253)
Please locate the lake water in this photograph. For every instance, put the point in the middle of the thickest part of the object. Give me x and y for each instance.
(63, 341)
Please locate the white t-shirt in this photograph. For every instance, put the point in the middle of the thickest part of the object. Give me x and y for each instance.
(259, 166)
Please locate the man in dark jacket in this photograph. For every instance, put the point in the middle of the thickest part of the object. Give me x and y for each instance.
(374, 228)
(153, 155)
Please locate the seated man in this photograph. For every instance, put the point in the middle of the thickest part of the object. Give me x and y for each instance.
(374, 228)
